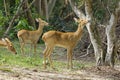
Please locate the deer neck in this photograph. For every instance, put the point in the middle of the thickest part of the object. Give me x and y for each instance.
(40, 28)
(79, 31)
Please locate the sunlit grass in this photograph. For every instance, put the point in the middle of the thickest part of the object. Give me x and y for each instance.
(26, 60)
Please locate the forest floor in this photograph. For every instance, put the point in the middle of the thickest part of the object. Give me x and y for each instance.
(8, 72)
(18, 73)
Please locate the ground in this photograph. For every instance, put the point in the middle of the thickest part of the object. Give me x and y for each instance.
(8, 72)
(92, 73)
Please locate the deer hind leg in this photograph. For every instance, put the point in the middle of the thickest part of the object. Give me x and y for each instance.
(69, 58)
(45, 56)
(22, 47)
(49, 56)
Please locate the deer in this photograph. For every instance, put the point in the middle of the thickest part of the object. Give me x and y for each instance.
(6, 43)
(66, 40)
(31, 37)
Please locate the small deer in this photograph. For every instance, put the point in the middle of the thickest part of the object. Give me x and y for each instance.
(8, 44)
(31, 37)
(66, 40)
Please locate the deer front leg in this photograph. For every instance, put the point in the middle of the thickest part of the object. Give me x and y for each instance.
(35, 48)
(71, 55)
(22, 47)
(69, 58)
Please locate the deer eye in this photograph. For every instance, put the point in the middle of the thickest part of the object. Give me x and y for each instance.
(10, 45)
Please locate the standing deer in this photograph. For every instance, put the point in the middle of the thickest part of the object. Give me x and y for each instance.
(66, 40)
(8, 44)
(32, 37)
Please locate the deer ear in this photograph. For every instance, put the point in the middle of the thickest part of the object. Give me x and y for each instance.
(75, 19)
(37, 20)
(7, 40)
(3, 39)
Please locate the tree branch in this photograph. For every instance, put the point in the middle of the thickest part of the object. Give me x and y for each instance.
(14, 17)
(77, 11)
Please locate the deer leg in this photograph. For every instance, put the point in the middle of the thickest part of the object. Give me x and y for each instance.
(35, 48)
(71, 55)
(31, 48)
(45, 55)
(22, 47)
(69, 58)
(49, 57)
(68, 54)
(30, 51)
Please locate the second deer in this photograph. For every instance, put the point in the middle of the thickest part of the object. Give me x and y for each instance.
(6, 43)
(66, 40)
(31, 37)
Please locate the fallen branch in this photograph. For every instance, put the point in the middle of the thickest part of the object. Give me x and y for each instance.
(88, 48)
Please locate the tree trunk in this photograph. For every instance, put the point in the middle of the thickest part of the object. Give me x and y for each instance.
(51, 5)
(45, 7)
(28, 14)
(77, 11)
(5, 6)
(110, 32)
(94, 34)
(46, 10)
(111, 38)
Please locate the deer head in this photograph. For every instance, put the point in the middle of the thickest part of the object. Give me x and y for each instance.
(82, 22)
(9, 45)
(42, 22)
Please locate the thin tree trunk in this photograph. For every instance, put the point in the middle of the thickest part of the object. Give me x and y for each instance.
(5, 7)
(28, 14)
(51, 5)
(111, 38)
(110, 32)
(46, 10)
(94, 34)
(77, 11)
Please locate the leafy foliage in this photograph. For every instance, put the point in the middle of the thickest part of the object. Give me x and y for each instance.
(23, 24)
(3, 22)
(56, 19)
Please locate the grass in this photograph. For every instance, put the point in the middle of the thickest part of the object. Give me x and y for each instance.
(30, 61)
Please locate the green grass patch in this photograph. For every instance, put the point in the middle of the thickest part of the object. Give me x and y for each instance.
(30, 61)
(6, 70)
